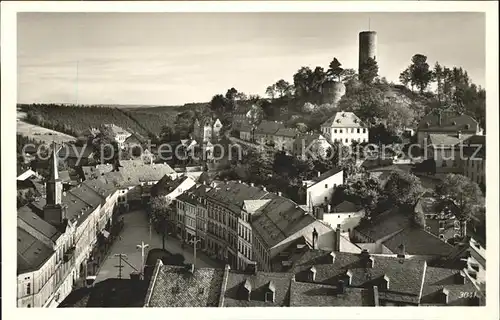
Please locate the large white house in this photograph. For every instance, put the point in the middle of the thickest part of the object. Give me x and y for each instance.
(345, 128)
(319, 190)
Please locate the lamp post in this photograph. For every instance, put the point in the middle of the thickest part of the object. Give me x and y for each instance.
(142, 246)
(195, 243)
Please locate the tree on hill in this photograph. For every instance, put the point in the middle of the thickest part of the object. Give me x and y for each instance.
(403, 189)
(464, 194)
(218, 103)
(335, 70)
(438, 77)
(405, 78)
(271, 91)
(283, 88)
(368, 71)
(420, 73)
(302, 81)
(317, 79)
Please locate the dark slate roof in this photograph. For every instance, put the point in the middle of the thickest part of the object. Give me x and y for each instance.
(175, 286)
(28, 216)
(322, 295)
(438, 278)
(259, 284)
(279, 219)
(385, 224)
(268, 127)
(346, 206)
(166, 185)
(418, 242)
(31, 252)
(233, 194)
(450, 122)
(110, 293)
(343, 120)
(325, 175)
(405, 275)
(286, 132)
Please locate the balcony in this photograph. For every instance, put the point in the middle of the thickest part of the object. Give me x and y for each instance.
(69, 254)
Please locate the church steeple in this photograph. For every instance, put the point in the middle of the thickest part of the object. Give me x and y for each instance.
(54, 184)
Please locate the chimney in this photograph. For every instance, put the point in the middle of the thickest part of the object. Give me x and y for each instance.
(348, 277)
(312, 273)
(401, 251)
(190, 268)
(385, 283)
(314, 238)
(460, 278)
(264, 188)
(375, 296)
(341, 287)
(319, 173)
(329, 208)
(459, 134)
(252, 184)
(369, 262)
(280, 194)
(444, 294)
(364, 253)
(331, 257)
(439, 118)
(337, 240)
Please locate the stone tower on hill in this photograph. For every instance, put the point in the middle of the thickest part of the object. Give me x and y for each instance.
(367, 47)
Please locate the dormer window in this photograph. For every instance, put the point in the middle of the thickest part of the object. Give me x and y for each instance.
(443, 295)
(312, 273)
(384, 283)
(270, 292)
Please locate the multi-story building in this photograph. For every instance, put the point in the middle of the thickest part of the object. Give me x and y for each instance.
(239, 222)
(471, 156)
(206, 130)
(55, 241)
(446, 122)
(265, 132)
(345, 128)
(320, 189)
(120, 134)
(284, 139)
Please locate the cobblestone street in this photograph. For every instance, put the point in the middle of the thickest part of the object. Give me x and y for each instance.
(136, 230)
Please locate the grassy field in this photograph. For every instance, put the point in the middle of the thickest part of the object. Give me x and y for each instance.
(38, 133)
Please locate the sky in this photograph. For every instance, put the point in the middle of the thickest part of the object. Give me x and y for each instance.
(177, 58)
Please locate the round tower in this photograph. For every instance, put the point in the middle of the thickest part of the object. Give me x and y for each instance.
(367, 46)
(332, 92)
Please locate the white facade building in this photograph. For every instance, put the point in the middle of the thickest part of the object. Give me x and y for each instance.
(319, 190)
(345, 128)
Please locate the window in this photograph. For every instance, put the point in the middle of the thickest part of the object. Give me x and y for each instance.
(340, 130)
(326, 186)
(28, 288)
(358, 130)
(346, 140)
(269, 296)
(364, 130)
(334, 130)
(29, 305)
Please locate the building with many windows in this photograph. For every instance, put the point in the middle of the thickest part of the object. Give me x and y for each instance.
(245, 225)
(345, 128)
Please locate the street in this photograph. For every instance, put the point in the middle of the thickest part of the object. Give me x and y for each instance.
(136, 230)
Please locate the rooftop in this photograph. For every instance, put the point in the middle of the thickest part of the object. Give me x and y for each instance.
(405, 275)
(31, 252)
(269, 127)
(343, 120)
(176, 286)
(448, 121)
(110, 293)
(305, 294)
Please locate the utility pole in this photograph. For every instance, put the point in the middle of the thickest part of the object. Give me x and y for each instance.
(142, 246)
(195, 243)
(120, 256)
